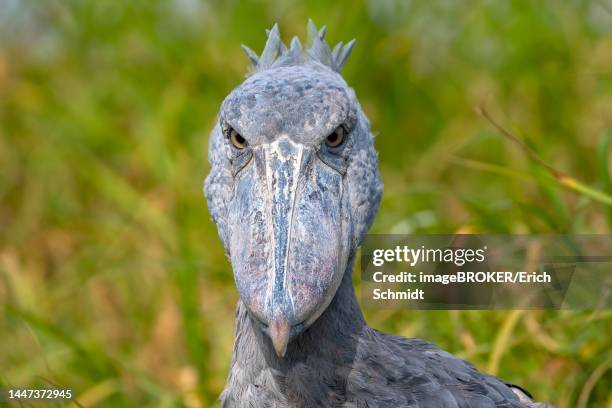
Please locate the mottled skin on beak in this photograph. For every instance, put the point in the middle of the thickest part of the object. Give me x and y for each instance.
(291, 204)
(289, 245)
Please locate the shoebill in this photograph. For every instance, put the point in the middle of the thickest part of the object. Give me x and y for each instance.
(293, 188)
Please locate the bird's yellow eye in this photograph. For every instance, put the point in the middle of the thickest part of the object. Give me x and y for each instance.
(336, 138)
(237, 140)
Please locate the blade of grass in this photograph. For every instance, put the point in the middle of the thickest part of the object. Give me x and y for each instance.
(105, 366)
(544, 181)
(558, 206)
(97, 393)
(99, 364)
(591, 381)
(564, 180)
(502, 340)
(492, 168)
(603, 150)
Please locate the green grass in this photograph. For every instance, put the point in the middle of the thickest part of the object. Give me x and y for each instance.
(112, 279)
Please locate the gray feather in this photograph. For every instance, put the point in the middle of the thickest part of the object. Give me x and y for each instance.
(251, 54)
(272, 50)
(276, 54)
(322, 32)
(343, 54)
(319, 50)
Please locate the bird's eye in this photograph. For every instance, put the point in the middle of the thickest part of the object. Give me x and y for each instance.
(237, 140)
(336, 138)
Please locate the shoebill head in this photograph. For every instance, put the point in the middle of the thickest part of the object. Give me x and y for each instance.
(294, 182)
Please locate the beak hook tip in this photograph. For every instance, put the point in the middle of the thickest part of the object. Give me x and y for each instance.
(279, 334)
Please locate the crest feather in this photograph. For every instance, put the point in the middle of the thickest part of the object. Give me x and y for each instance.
(342, 54)
(251, 54)
(296, 49)
(322, 32)
(275, 51)
(319, 50)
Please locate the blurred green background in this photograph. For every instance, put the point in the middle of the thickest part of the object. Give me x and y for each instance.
(112, 278)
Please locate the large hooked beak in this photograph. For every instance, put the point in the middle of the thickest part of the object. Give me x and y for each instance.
(288, 243)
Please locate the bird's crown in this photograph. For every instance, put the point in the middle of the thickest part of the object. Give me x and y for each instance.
(275, 53)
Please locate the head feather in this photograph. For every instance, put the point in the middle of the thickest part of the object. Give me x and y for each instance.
(276, 53)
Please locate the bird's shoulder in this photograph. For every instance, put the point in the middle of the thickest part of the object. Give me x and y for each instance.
(394, 371)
